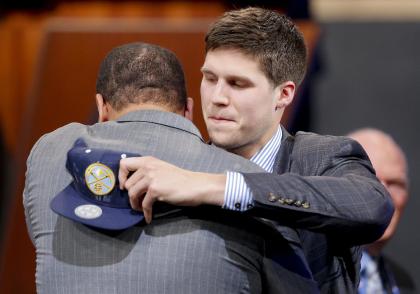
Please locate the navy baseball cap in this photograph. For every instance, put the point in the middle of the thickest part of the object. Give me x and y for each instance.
(94, 197)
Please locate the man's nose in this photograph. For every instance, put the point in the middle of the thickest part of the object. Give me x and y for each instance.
(220, 95)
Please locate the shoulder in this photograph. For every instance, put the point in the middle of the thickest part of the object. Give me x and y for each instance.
(308, 138)
(229, 161)
(61, 137)
(312, 143)
(63, 133)
(402, 276)
(325, 150)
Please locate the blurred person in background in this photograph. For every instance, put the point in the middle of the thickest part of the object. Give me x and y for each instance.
(390, 165)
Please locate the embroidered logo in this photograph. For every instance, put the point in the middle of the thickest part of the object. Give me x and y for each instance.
(100, 179)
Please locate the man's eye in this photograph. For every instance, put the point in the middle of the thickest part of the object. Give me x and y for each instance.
(210, 79)
(237, 84)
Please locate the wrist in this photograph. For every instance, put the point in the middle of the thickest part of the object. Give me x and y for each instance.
(212, 189)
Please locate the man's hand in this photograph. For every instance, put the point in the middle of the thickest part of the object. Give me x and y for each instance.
(155, 180)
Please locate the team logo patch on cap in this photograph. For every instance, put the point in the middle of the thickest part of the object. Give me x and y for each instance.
(100, 179)
(93, 198)
(88, 211)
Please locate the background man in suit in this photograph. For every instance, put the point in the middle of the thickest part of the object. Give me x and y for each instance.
(391, 169)
(142, 103)
(322, 186)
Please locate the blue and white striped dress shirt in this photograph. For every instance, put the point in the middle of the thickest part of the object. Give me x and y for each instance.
(238, 196)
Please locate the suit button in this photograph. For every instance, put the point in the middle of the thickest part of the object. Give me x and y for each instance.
(289, 201)
(281, 200)
(305, 204)
(272, 197)
(249, 206)
(237, 205)
(298, 203)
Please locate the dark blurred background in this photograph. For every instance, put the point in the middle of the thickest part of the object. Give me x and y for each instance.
(364, 71)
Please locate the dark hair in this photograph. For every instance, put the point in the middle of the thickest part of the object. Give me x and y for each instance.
(141, 73)
(273, 39)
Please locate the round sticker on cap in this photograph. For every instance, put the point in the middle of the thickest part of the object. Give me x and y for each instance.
(100, 179)
(88, 211)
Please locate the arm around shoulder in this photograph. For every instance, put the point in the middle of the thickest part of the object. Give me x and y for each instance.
(330, 187)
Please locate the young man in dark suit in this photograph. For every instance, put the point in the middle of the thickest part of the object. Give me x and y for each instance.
(319, 192)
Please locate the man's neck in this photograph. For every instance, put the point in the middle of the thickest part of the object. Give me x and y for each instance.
(135, 107)
(248, 151)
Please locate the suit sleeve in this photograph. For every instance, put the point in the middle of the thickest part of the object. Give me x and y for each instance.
(331, 188)
(28, 198)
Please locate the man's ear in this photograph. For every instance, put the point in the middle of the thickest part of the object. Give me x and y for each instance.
(189, 108)
(103, 108)
(286, 93)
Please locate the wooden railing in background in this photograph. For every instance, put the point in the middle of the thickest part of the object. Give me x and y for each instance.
(47, 79)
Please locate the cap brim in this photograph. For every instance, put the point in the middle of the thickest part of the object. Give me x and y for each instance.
(66, 202)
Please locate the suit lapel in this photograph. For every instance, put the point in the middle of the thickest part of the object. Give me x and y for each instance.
(283, 158)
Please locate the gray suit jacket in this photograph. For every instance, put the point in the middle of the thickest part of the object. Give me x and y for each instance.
(200, 250)
(335, 213)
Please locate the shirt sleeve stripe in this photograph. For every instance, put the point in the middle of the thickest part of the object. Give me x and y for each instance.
(238, 196)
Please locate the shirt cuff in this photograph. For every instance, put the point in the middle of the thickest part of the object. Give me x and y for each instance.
(238, 196)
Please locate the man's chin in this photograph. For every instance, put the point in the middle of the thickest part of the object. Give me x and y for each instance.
(222, 142)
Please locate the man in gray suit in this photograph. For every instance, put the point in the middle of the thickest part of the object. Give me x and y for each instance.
(322, 193)
(143, 109)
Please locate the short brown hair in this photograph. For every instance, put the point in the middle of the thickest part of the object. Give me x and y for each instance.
(142, 73)
(273, 39)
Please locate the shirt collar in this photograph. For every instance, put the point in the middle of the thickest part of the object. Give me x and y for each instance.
(266, 156)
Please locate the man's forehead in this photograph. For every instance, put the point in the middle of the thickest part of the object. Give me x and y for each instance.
(231, 53)
(231, 61)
